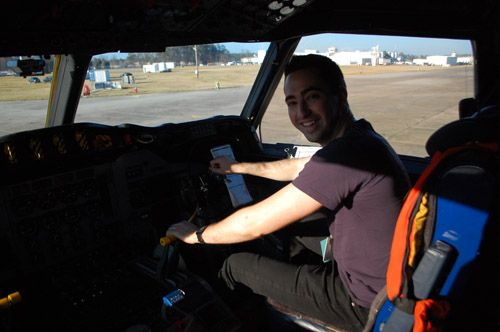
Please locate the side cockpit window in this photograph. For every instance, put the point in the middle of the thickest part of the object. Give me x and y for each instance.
(406, 87)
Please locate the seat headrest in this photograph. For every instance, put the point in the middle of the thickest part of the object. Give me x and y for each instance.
(482, 127)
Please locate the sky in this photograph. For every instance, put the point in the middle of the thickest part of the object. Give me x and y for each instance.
(343, 42)
(349, 43)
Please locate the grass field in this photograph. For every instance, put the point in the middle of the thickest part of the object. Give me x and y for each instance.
(180, 79)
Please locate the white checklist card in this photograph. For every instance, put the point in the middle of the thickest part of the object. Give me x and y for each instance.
(234, 182)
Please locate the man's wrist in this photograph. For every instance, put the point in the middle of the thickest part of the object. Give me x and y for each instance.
(236, 168)
(199, 234)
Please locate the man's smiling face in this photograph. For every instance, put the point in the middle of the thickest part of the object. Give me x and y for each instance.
(312, 106)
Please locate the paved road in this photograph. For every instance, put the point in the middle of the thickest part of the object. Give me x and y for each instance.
(147, 110)
(404, 107)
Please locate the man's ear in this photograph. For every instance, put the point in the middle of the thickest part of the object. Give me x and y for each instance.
(343, 94)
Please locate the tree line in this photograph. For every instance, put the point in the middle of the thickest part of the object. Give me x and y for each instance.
(181, 55)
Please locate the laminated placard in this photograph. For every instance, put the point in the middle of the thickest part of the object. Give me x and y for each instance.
(235, 183)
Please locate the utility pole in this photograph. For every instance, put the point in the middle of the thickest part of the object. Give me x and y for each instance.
(196, 60)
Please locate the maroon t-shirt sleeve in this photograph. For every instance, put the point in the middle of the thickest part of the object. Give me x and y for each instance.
(329, 182)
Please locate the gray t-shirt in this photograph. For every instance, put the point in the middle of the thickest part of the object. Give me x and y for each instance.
(362, 181)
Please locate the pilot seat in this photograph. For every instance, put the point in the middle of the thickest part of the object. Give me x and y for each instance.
(444, 252)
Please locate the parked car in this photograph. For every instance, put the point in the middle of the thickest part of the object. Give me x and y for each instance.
(47, 79)
(34, 80)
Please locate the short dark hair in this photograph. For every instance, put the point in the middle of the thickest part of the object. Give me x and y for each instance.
(326, 68)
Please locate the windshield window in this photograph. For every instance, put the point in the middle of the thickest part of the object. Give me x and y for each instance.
(181, 84)
(406, 87)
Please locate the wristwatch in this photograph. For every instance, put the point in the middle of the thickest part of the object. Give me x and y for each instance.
(198, 234)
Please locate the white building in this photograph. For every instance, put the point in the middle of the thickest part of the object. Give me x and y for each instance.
(158, 67)
(375, 58)
(421, 62)
(356, 58)
(465, 60)
(359, 58)
(102, 76)
(166, 65)
(438, 60)
(442, 60)
(150, 68)
(256, 60)
(306, 52)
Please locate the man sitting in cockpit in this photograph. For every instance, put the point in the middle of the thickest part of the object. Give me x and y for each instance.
(356, 178)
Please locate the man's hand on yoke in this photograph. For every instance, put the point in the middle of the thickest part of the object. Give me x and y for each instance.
(184, 231)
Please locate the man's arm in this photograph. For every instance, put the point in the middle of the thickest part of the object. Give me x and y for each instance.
(275, 212)
(280, 170)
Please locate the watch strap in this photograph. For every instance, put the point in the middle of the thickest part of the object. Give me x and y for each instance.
(198, 234)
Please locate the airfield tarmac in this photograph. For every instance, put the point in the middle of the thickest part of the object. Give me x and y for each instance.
(406, 108)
